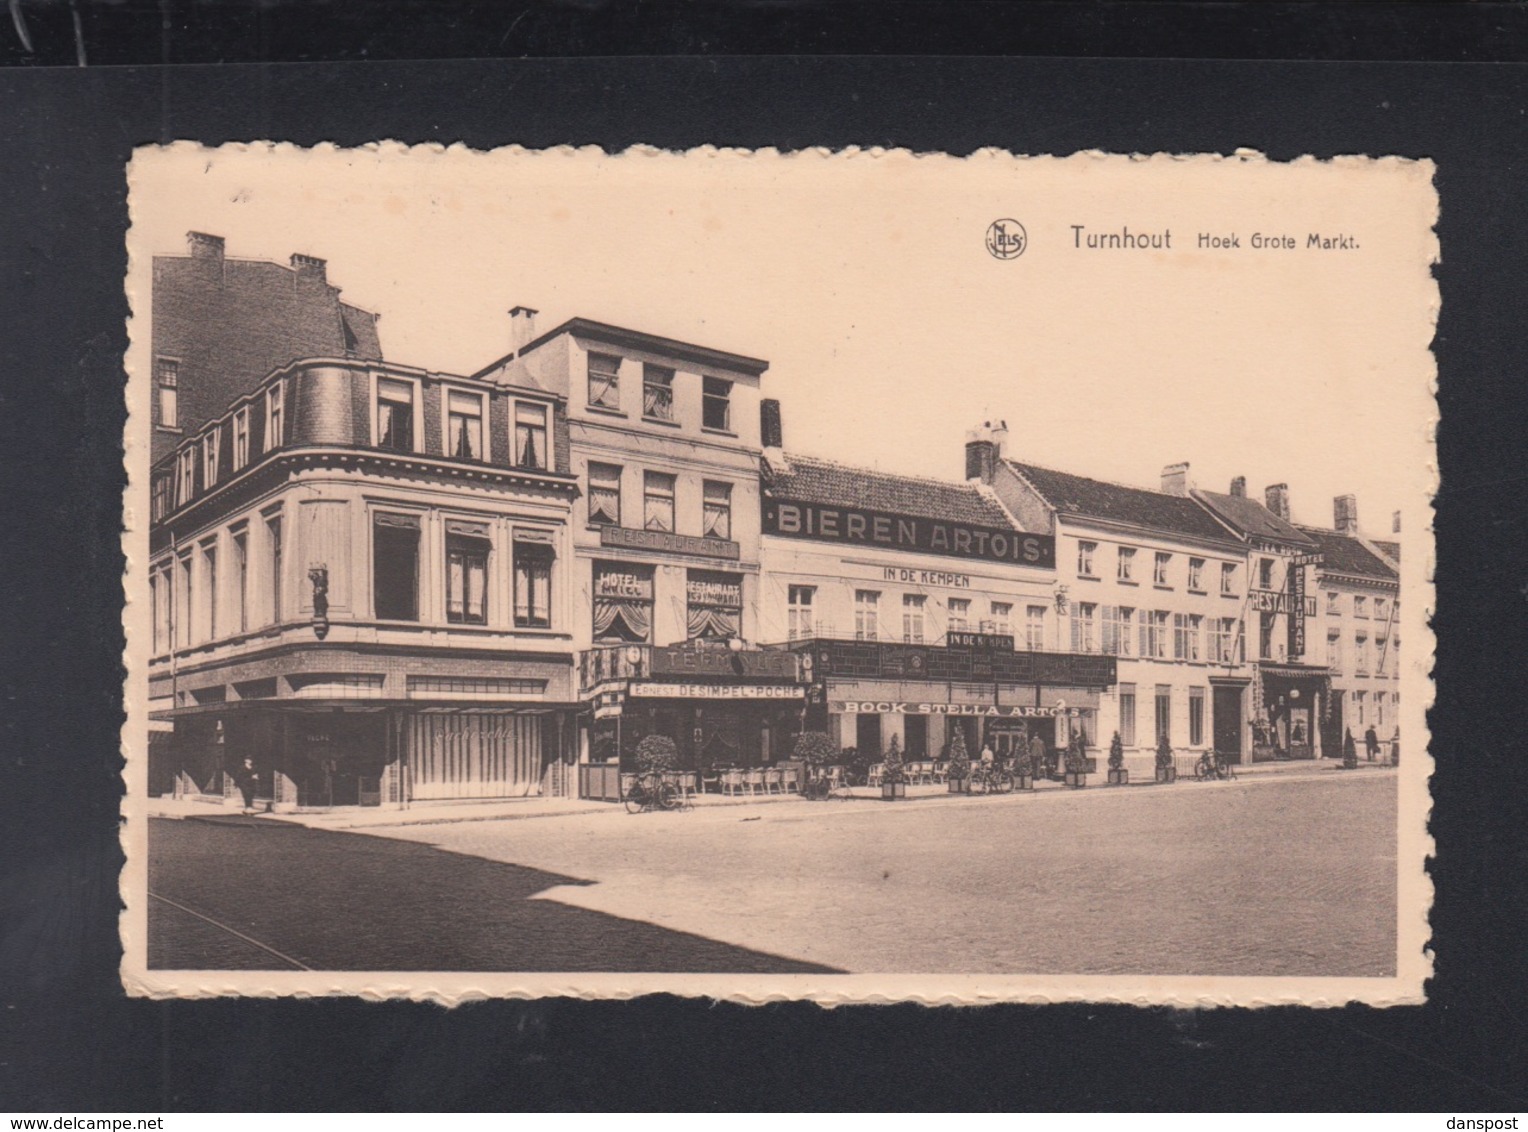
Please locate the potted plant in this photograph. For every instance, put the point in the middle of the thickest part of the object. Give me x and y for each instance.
(893, 776)
(1166, 771)
(1349, 752)
(816, 750)
(1076, 762)
(958, 772)
(656, 753)
(1118, 775)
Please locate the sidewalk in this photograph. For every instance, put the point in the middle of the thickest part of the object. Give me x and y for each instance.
(441, 813)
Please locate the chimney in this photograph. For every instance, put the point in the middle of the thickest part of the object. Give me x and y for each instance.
(1239, 487)
(309, 267)
(204, 246)
(1395, 523)
(1175, 479)
(984, 448)
(522, 327)
(1345, 514)
(1276, 499)
(771, 433)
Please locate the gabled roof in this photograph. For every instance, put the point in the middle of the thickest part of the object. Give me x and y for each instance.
(811, 480)
(1120, 503)
(1251, 518)
(1393, 549)
(1344, 554)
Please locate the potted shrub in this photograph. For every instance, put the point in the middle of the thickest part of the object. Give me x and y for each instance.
(1118, 775)
(958, 773)
(1166, 771)
(656, 753)
(816, 750)
(1076, 762)
(893, 774)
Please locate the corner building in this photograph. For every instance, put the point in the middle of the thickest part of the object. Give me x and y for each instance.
(919, 608)
(664, 440)
(360, 579)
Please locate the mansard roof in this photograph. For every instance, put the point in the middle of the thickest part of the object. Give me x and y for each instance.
(812, 480)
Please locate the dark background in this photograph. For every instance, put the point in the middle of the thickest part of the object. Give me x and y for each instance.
(1285, 79)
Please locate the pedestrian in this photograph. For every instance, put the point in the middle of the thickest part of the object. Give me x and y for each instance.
(1371, 743)
(987, 755)
(247, 779)
(1037, 759)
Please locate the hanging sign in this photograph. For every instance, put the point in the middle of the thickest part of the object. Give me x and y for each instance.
(1297, 611)
(979, 642)
(718, 691)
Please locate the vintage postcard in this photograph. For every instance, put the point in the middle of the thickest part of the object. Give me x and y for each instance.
(850, 576)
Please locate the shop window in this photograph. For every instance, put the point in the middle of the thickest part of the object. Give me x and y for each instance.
(167, 377)
(273, 562)
(1164, 712)
(605, 381)
(212, 448)
(1196, 717)
(1083, 615)
(623, 602)
(1119, 624)
(657, 501)
(800, 614)
(716, 521)
(912, 618)
(464, 425)
(1085, 552)
(1127, 714)
(714, 605)
(1196, 574)
(1034, 628)
(1160, 568)
(604, 495)
(530, 435)
(1228, 577)
(395, 415)
(467, 547)
(1126, 567)
(533, 584)
(716, 404)
(240, 438)
(395, 567)
(1265, 636)
(238, 542)
(1002, 617)
(275, 415)
(866, 615)
(185, 479)
(657, 393)
(960, 614)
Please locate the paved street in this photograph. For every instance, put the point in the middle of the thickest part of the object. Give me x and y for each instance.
(1281, 876)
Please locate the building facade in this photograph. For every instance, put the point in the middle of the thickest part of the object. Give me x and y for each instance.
(361, 580)
(919, 608)
(1151, 579)
(664, 440)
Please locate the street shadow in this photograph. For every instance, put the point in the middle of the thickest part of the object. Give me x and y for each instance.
(338, 902)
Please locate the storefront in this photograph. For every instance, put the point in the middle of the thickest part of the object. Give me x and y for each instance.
(1291, 711)
(723, 704)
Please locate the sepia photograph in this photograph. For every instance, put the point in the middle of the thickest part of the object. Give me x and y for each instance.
(848, 576)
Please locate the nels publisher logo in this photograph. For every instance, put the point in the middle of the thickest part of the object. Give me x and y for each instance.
(1006, 239)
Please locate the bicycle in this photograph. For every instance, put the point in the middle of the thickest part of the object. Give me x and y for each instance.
(1213, 766)
(992, 778)
(653, 791)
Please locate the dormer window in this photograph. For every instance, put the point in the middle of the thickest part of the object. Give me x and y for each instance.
(464, 425)
(241, 438)
(716, 404)
(530, 435)
(185, 479)
(604, 381)
(212, 445)
(657, 393)
(395, 415)
(275, 413)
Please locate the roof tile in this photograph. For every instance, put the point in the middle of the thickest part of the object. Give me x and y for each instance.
(1098, 499)
(822, 481)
